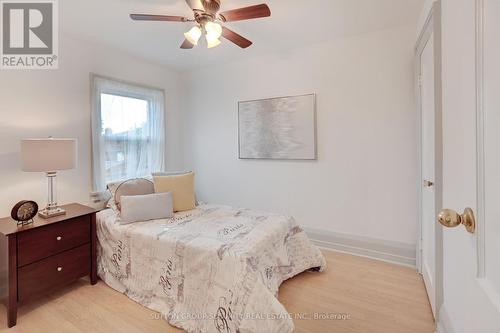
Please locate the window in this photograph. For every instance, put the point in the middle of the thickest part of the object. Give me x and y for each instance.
(128, 131)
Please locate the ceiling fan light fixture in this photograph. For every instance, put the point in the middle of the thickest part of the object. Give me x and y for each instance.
(212, 42)
(213, 29)
(207, 19)
(193, 35)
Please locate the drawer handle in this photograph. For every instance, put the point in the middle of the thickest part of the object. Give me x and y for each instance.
(58, 238)
(59, 269)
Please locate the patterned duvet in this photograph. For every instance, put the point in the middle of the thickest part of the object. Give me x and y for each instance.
(211, 269)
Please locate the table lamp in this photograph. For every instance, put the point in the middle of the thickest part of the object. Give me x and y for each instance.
(49, 155)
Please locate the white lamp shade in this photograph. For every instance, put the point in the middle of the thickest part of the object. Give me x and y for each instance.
(45, 155)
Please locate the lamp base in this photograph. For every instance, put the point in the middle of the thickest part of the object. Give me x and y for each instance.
(48, 213)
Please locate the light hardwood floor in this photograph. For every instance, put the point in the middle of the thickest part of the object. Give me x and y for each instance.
(377, 297)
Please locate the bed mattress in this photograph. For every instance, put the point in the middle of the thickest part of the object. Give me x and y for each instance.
(211, 269)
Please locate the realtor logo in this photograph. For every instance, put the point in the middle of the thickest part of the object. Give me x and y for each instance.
(29, 34)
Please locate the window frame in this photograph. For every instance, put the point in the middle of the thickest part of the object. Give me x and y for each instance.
(155, 98)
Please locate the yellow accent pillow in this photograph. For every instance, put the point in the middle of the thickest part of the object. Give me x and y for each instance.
(182, 188)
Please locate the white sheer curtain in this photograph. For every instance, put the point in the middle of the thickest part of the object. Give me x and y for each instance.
(128, 131)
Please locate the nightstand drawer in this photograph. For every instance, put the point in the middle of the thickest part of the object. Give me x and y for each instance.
(47, 274)
(46, 241)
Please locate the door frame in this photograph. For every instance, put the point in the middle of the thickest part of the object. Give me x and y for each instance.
(432, 27)
(480, 149)
(493, 295)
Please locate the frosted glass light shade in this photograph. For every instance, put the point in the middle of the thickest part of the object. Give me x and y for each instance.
(193, 35)
(212, 42)
(213, 29)
(46, 155)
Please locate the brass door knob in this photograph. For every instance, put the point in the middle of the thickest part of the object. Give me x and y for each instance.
(450, 219)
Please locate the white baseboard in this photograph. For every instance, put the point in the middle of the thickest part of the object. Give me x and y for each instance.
(444, 323)
(390, 251)
(440, 328)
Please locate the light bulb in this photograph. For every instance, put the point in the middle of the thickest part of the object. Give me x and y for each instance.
(193, 35)
(213, 29)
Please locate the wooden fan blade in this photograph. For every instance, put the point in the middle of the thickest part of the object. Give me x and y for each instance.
(147, 17)
(186, 45)
(195, 4)
(246, 13)
(235, 38)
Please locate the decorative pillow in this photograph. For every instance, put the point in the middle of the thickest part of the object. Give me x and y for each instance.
(133, 186)
(138, 186)
(138, 208)
(175, 173)
(182, 188)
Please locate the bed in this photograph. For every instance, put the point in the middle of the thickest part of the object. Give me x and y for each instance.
(211, 269)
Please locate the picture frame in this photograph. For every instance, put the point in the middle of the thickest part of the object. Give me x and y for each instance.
(279, 128)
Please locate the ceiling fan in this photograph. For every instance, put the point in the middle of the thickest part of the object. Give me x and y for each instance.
(208, 19)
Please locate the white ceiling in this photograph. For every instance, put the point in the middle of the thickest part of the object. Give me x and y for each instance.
(294, 23)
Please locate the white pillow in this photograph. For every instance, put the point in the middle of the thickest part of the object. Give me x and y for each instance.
(138, 208)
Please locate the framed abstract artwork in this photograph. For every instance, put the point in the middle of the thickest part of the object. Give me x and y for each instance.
(282, 128)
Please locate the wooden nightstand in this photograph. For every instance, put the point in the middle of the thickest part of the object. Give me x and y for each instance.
(48, 254)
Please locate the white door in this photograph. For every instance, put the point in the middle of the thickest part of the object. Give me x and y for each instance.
(428, 207)
(471, 164)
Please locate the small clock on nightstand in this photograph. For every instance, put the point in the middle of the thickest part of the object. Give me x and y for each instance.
(24, 211)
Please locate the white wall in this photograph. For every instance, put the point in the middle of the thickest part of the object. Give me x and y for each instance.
(364, 182)
(57, 103)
